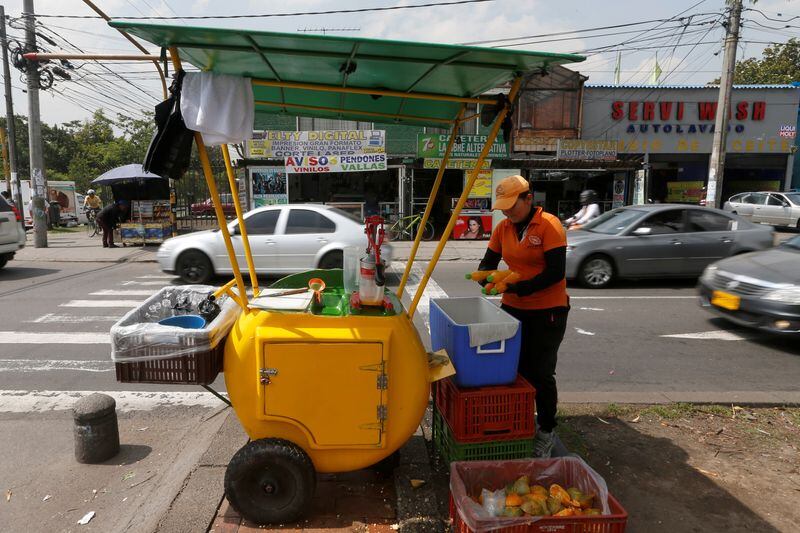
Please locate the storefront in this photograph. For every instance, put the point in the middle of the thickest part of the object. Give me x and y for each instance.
(671, 129)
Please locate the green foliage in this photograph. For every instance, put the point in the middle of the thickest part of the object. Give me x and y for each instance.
(779, 64)
(81, 151)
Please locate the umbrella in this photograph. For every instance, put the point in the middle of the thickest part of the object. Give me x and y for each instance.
(124, 173)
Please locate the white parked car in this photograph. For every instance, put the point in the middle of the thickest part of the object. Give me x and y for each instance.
(12, 232)
(283, 239)
(776, 208)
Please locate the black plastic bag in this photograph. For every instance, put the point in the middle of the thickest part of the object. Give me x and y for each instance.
(170, 149)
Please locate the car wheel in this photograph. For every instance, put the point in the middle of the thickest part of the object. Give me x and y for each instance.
(270, 481)
(194, 266)
(334, 259)
(3, 260)
(596, 272)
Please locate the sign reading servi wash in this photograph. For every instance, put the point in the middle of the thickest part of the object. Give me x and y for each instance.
(434, 146)
(283, 144)
(678, 120)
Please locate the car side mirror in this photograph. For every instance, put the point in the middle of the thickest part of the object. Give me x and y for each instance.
(642, 231)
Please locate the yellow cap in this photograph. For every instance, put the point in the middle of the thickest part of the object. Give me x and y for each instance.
(508, 190)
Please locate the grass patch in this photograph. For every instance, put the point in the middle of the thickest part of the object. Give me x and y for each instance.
(718, 410)
(571, 438)
(64, 230)
(618, 411)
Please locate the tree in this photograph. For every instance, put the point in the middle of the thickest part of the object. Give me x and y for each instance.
(779, 64)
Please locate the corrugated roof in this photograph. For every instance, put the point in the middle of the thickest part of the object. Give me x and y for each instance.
(645, 86)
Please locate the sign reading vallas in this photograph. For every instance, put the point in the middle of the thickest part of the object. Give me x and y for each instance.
(281, 144)
(335, 163)
(466, 146)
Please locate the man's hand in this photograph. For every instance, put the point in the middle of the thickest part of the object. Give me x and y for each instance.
(521, 288)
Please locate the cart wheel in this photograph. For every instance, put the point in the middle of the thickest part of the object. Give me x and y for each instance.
(270, 481)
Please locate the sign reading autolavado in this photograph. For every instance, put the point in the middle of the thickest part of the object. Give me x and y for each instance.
(281, 144)
(335, 163)
(465, 147)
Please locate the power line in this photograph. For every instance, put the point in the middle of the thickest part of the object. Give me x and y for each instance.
(271, 15)
(770, 18)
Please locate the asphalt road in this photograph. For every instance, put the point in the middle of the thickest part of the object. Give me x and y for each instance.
(636, 337)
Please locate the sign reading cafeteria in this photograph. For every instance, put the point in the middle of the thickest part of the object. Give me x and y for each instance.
(281, 144)
(335, 163)
(681, 119)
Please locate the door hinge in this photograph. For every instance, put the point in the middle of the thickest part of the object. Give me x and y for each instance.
(383, 382)
(383, 413)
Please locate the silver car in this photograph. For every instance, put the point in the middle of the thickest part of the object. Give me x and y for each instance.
(659, 240)
(775, 208)
(283, 239)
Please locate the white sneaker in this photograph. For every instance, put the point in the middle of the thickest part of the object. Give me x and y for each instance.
(543, 444)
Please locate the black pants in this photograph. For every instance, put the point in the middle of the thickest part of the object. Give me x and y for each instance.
(108, 232)
(542, 333)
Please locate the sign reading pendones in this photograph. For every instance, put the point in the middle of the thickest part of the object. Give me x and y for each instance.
(343, 163)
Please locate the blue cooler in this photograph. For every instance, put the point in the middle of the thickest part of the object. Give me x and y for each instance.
(482, 340)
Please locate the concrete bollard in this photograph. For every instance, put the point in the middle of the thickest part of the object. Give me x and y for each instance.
(96, 430)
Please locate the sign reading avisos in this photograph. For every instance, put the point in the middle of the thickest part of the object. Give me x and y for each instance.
(282, 144)
(681, 119)
(465, 147)
(336, 163)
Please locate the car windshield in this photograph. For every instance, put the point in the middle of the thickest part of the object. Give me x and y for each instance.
(793, 197)
(794, 242)
(614, 221)
(346, 214)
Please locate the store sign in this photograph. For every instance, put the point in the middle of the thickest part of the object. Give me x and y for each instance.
(282, 144)
(269, 186)
(465, 146)
(336, 163)
(586, 150)
(666, 120)
(482, 188)
(619, 193)
(459, 164)
(685, 192)
(789, 131)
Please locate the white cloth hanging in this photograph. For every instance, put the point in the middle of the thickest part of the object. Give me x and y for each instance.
(219, 106)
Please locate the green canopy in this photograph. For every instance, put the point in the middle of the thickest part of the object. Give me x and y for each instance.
(332, 61)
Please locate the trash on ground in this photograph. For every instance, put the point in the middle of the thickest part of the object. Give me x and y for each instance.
(47, 497)
(8, 495)
(86, 518)
(417, 483)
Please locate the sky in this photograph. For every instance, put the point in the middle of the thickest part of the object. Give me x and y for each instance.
(685, 50)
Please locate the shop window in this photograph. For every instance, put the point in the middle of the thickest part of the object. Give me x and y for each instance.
(708, 221)
(436, 131)
(470, 127)
(307, 221)
(664, 222)
(329, 124)
(262, 223)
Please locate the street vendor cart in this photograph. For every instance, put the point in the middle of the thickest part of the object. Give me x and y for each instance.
(333, 383)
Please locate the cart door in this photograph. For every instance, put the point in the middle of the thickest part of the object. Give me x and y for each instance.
(332, 389)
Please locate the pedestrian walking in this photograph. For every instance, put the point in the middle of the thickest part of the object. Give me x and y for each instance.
(109, 218)
(534, 245)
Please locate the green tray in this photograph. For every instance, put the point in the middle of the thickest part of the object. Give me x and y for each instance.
(449, 450)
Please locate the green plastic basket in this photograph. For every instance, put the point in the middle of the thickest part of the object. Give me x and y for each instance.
(450, 450)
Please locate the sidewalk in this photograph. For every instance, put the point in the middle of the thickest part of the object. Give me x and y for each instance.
(77, 246)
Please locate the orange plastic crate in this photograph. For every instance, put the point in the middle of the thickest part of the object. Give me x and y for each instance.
(481, 414)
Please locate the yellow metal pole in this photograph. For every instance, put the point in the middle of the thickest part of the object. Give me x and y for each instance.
(240, 218)
(429, 205)
(376, 92)
(212, 188)
(512, 96)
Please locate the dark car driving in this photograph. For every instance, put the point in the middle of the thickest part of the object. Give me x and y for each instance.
(758, 289)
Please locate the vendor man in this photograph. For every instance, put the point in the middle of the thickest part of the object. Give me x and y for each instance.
(109, 218)
(533, 244)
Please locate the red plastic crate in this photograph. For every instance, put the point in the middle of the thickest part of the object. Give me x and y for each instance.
(610, 523)
(487, 413)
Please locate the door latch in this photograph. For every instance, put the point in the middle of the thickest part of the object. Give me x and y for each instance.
(264, 375)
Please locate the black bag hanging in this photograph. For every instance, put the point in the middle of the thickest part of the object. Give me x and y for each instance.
(170, 149)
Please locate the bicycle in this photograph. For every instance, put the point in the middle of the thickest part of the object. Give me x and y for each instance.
(91, 223)
(406, 228)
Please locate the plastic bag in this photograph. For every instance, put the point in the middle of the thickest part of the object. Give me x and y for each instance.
(494, 503)
(470, 478)
(139, 337)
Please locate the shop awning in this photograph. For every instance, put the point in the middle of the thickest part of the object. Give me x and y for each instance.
(301, 74)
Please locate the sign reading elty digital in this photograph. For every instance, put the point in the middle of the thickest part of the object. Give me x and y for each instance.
(675, 120)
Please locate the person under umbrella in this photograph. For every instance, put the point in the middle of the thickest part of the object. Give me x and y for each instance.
(109, 218)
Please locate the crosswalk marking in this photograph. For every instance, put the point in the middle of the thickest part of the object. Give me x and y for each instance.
(129, 292)
(102, 303)
(19, 337)
(72, 319)
(155, 277)
(720, 335)
(48, 365)
(23, 401)
(146, 283)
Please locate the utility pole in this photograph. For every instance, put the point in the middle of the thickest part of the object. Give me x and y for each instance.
(716, 167)
(38, 187)
(10, 124)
